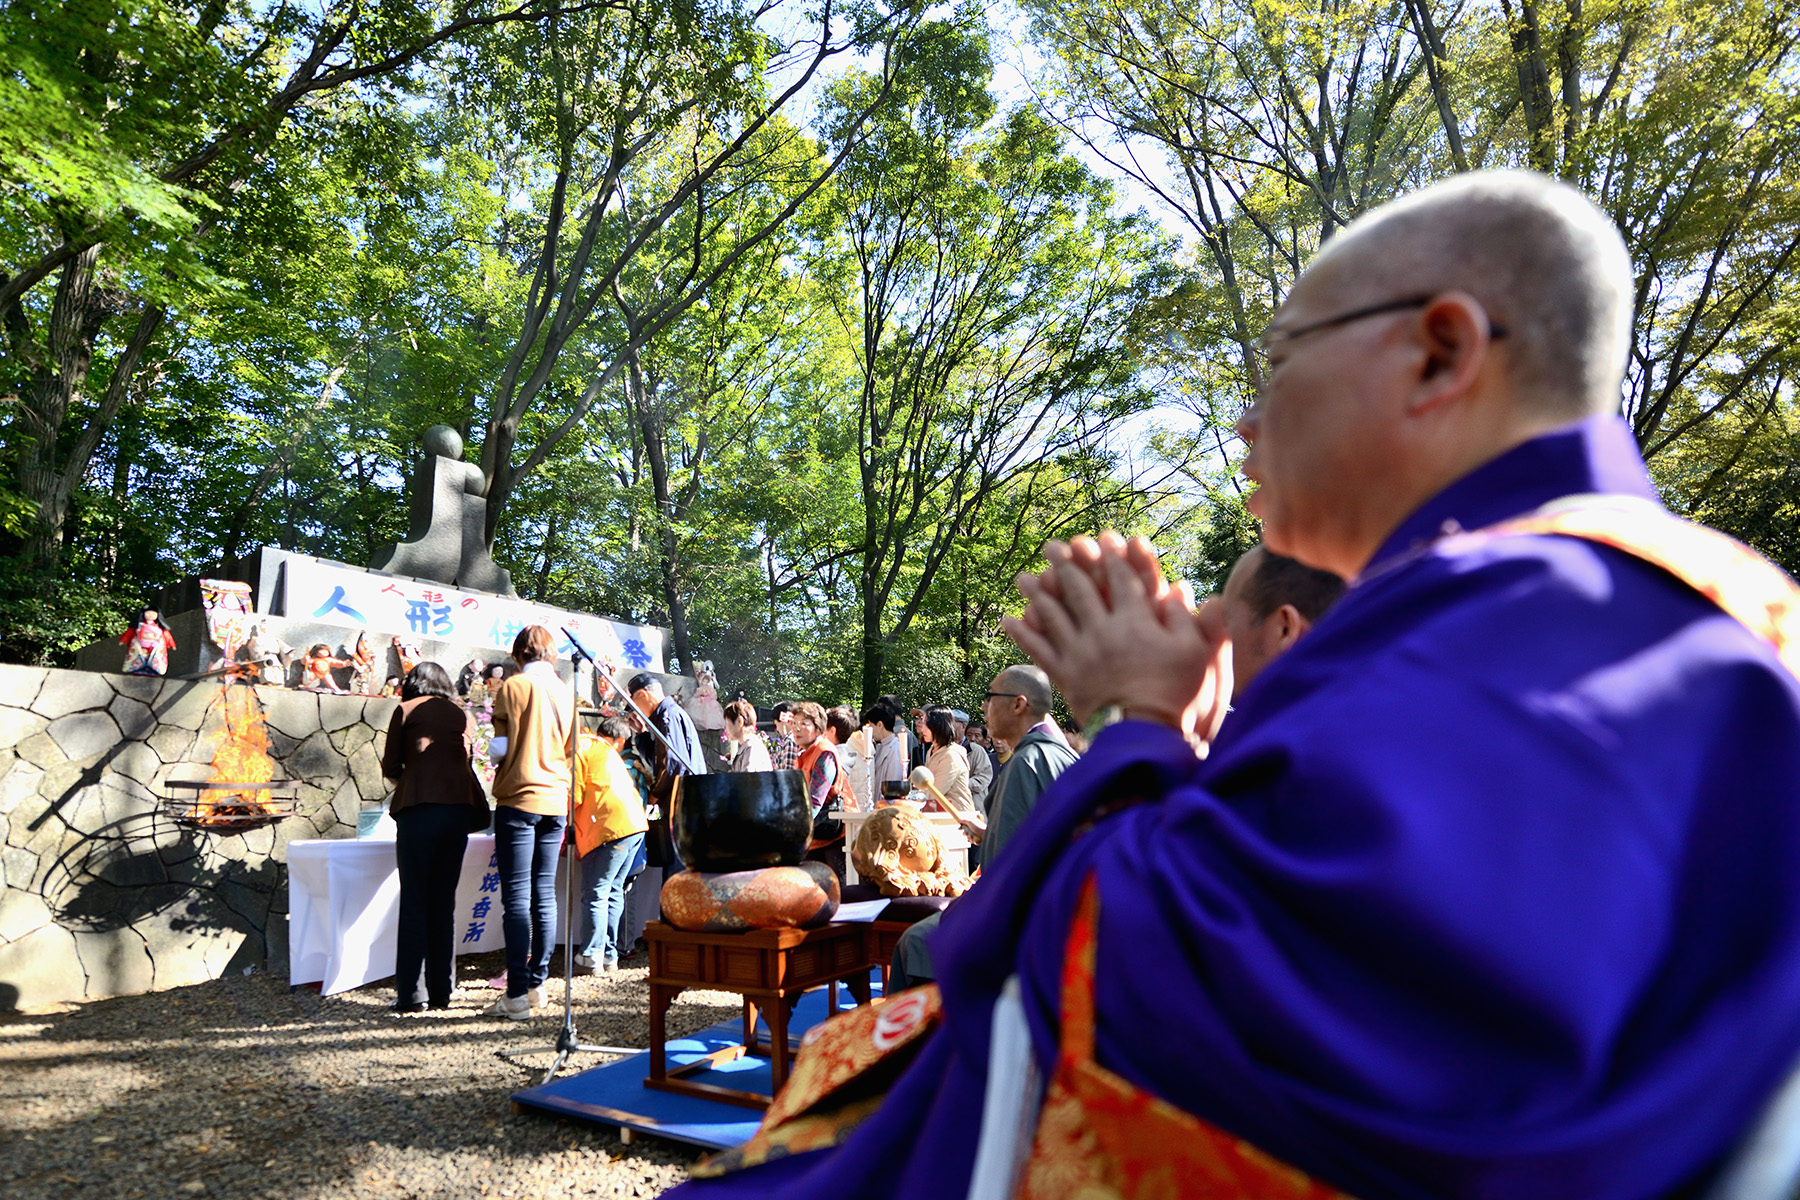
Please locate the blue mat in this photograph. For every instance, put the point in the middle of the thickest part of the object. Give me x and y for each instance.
(615, 1094)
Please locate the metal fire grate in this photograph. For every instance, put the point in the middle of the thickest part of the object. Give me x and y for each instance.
(227, 808)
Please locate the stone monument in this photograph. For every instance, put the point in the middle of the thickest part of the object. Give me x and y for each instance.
(447, 541)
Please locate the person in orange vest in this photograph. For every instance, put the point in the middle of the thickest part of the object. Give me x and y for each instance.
(826, 782)
(609, 827)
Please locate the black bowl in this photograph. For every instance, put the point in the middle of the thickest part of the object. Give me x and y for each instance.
(742, 820)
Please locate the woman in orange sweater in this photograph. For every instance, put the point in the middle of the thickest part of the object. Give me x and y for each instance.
(534, 722)
(609, 827)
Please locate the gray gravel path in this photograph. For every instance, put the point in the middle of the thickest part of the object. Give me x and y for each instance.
(240, 1087)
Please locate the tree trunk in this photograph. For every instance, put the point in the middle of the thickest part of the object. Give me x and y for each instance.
(1433, 45)
(874, 646)
(542, 591)
(1534, 84)
(646, 402)
(59, 374)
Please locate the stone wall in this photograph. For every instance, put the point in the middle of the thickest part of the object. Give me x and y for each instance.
(102, 892)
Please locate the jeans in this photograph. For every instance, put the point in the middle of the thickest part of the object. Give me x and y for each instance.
(603, 874)
(526, 844)
(428, 845)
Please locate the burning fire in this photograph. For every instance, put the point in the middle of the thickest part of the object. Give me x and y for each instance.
(242, 757)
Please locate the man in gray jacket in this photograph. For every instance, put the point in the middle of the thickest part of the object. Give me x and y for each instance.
(1018, 709)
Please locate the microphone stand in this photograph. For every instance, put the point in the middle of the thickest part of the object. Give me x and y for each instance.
(599, 673)
(567, 1041)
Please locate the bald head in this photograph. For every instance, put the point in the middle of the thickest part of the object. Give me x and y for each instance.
(1547, 264)
(1030, 683)
(1018, 698)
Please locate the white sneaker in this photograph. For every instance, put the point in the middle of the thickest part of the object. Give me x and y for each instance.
(584, 964)
(611, 966)
(535, 996)
(516, 1008)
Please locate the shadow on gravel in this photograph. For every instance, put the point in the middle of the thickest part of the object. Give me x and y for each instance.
(240, 1087)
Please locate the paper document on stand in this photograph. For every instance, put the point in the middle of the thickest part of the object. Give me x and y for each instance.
(860, 910)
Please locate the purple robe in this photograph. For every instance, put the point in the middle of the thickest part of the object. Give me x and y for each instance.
(1489, 888)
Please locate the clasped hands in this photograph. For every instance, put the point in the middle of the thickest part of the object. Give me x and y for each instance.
(1108, 628)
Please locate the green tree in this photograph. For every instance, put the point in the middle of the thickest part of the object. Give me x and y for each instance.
(987, 289)
(1263, 127)
(632, 130)
(128, 130)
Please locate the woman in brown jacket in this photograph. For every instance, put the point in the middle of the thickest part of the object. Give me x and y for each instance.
(430, 739)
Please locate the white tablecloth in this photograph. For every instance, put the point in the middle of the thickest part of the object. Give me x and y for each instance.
(344, 908)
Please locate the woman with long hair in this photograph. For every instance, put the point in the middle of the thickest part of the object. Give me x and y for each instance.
(436, 800)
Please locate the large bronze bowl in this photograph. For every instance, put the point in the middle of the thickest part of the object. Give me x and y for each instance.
(742, 820)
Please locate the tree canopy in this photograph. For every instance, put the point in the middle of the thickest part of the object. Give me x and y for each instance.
(780, 325)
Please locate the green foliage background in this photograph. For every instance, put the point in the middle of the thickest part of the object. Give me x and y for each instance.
(827, 368)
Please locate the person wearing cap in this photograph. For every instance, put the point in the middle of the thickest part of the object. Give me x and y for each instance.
(672, 721)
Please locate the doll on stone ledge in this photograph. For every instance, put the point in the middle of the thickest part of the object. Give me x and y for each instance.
(362, 667)
(319, 664)
(147, 645)
(703, 706)
(409, 652)
(268, 655)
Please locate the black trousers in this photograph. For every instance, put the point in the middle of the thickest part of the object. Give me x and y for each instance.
(429, 846)
(832, 856)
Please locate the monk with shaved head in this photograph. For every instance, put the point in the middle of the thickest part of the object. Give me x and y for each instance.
(1489, 887)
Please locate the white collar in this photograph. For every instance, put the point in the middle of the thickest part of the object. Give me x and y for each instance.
(540, 667)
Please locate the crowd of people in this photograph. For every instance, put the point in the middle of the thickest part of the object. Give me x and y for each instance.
(987, 773)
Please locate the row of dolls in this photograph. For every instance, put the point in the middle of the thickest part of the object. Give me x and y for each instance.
(265, 658)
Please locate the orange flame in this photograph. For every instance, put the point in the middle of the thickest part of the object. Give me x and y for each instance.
(242, 757)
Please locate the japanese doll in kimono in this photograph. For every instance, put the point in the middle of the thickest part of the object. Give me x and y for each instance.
(362, 667)
(409, 652)
(147, 645)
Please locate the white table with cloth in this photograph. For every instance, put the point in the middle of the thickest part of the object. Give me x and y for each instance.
(344, 908)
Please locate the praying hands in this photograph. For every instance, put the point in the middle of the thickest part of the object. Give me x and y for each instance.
(1109, 629)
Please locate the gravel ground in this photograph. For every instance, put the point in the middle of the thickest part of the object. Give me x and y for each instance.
(240, 1087)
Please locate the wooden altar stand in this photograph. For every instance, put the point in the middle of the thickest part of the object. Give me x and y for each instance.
(769, 968)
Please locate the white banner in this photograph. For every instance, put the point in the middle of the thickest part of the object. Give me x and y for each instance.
(339, 595)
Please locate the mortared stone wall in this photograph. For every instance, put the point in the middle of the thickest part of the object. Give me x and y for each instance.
(102, 892)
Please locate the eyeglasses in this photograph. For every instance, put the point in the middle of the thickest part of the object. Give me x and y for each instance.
(986, 696)
(1275, 337)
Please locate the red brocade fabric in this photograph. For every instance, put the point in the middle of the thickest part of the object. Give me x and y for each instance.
(1101, 1138)
(842, 1075)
